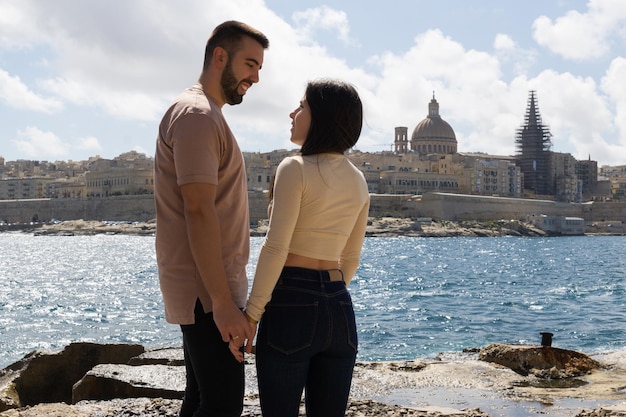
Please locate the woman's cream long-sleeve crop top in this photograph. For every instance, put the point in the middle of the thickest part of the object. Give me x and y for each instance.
(319, 210)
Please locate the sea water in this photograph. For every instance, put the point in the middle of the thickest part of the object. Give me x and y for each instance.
(414, 297)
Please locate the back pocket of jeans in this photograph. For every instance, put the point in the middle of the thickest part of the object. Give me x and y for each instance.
(291, 328)
(351, 333)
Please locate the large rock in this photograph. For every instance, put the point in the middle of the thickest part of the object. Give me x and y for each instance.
(541, 361)
(107, 382)
(46, 377)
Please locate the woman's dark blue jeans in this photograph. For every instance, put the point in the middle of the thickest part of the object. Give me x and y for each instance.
(307, 341)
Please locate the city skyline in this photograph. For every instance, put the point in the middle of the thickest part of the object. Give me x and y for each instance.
(72, 87)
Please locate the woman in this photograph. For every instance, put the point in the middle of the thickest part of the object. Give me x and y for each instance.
(318, 214)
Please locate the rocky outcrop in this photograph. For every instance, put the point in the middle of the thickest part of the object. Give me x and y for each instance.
(127, 380)
(541, 361)
(376, 227)
(151, 387)
(82, 227)
(389, 226)
(46, 377)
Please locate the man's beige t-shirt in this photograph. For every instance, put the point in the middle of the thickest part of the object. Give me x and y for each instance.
(195, 145)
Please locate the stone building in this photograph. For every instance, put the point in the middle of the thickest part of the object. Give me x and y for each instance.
(131, 173)
(23, 188)
(490, 175)
(431, 135)
(587, 172)
(261, 166)
(70, 187)
(119, 181)
(615, 179)
(566, 185)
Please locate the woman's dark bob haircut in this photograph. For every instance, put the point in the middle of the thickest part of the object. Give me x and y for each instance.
(336, 117)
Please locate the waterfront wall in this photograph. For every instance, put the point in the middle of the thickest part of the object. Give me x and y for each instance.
(459, 207)
(438, 206)
(121, 208)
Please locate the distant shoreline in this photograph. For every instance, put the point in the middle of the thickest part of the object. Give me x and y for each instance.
(377, 227)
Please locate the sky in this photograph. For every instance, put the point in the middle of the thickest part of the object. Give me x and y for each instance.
(93, 77)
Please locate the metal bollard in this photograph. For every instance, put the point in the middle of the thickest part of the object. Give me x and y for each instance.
(546, 338)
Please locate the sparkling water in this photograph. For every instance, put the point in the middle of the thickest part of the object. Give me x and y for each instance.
(414, 297)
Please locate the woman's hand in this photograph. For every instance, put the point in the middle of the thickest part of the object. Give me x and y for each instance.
(253, 325)
(237, 345)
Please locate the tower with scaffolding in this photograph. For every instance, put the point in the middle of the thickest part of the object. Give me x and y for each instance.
(533, 142)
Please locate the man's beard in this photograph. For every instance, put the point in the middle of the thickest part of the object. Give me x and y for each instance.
(230, 86)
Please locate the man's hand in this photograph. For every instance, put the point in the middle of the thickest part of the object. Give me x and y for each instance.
(236, 344)
(234, 327)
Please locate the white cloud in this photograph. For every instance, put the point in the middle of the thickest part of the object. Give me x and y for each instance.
(89, 143)
(14, 93)
(39, 145)
(613, 86)
(323, 18)
(582, 36)
(509, 52)
(503, 42)
(130, 105)
(16, 23)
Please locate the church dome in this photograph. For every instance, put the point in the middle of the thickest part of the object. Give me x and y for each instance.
(433, 134)
(433, 128)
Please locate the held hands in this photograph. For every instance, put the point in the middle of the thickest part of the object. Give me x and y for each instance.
(237, 343)
(233, 326)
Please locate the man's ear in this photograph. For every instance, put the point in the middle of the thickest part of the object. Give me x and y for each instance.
(220, 56)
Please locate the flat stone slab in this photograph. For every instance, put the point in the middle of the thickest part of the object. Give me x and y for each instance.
(172, 356)
(106, 382)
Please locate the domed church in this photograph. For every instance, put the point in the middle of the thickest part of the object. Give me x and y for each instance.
(431, 135)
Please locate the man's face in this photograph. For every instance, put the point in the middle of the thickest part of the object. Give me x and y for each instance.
(242, 70)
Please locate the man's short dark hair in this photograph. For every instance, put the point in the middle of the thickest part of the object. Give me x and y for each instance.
(228, 35)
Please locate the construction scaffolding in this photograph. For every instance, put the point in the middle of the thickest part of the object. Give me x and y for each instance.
(533, 151)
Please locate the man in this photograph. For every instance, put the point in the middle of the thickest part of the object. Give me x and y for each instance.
(202, 238)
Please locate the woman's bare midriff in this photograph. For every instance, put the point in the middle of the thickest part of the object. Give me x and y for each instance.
(310, 263)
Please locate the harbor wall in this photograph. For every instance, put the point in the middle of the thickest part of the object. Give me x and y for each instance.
(438, 206)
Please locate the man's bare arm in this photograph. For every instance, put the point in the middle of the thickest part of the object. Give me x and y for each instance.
(203, 230)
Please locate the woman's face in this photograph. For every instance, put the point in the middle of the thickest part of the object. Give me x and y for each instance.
(300, 123)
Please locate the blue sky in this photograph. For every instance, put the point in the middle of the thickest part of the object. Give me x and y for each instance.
(86, 78)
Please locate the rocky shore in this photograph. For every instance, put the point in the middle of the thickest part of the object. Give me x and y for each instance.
(377, 227)
(94, 380)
